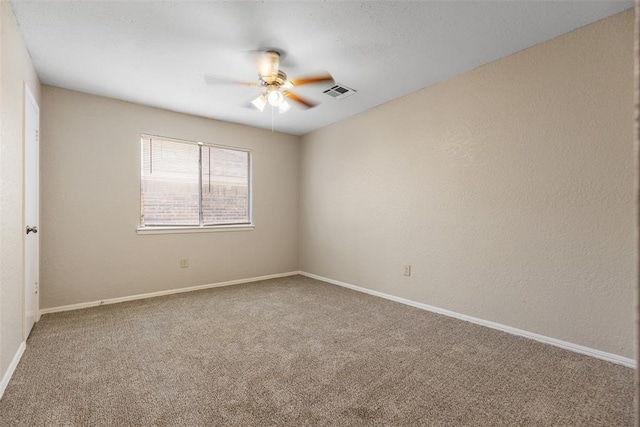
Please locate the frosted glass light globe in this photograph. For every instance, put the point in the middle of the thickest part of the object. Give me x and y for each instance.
(275, 98)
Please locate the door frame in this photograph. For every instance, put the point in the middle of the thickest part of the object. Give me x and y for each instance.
(30, 99)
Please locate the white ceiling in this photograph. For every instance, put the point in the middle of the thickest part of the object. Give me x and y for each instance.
(157, 52)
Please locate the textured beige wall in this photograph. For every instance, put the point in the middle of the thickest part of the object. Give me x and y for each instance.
(509, 189)
(636, 57)
(90, 171)
(15, 69)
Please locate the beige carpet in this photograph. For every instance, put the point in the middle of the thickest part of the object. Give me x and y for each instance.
(295, 352)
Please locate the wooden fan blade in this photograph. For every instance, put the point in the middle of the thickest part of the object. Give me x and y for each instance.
(322, 78)
(213, 80)
(292, 96)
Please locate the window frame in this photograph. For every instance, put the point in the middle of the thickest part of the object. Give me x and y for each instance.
(185, 229)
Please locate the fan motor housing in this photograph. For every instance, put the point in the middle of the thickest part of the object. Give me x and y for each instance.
(279, 80)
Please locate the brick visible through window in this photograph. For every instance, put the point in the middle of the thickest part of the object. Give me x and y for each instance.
(186, 183)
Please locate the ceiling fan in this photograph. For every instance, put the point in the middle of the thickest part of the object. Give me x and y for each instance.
(277, 86)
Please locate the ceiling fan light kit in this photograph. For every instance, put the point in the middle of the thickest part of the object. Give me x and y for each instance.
(273, 98)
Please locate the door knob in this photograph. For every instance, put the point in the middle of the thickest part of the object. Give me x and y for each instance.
(33, 229)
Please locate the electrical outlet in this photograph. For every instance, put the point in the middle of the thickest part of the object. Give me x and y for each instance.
(407, 269)
(184, 263)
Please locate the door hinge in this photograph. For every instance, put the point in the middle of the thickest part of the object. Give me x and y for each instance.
(37, 287)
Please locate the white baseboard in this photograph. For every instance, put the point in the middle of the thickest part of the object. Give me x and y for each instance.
(12, 367)
(610, 357)
(161, 293)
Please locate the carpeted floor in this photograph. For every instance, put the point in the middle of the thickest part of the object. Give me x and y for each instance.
(296, 351)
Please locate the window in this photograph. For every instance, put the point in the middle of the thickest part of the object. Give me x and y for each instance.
(192, 184)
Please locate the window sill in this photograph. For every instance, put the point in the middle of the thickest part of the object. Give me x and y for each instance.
(187, 230)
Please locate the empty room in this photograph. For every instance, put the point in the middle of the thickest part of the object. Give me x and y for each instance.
(269, 213)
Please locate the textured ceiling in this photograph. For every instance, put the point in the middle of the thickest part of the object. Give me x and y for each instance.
(157, 53)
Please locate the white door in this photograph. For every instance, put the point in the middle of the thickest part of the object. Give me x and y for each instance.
(31, 243)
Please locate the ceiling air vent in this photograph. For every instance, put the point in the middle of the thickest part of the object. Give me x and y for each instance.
(339, 91)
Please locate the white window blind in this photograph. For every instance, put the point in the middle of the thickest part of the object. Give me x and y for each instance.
(187, 184)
